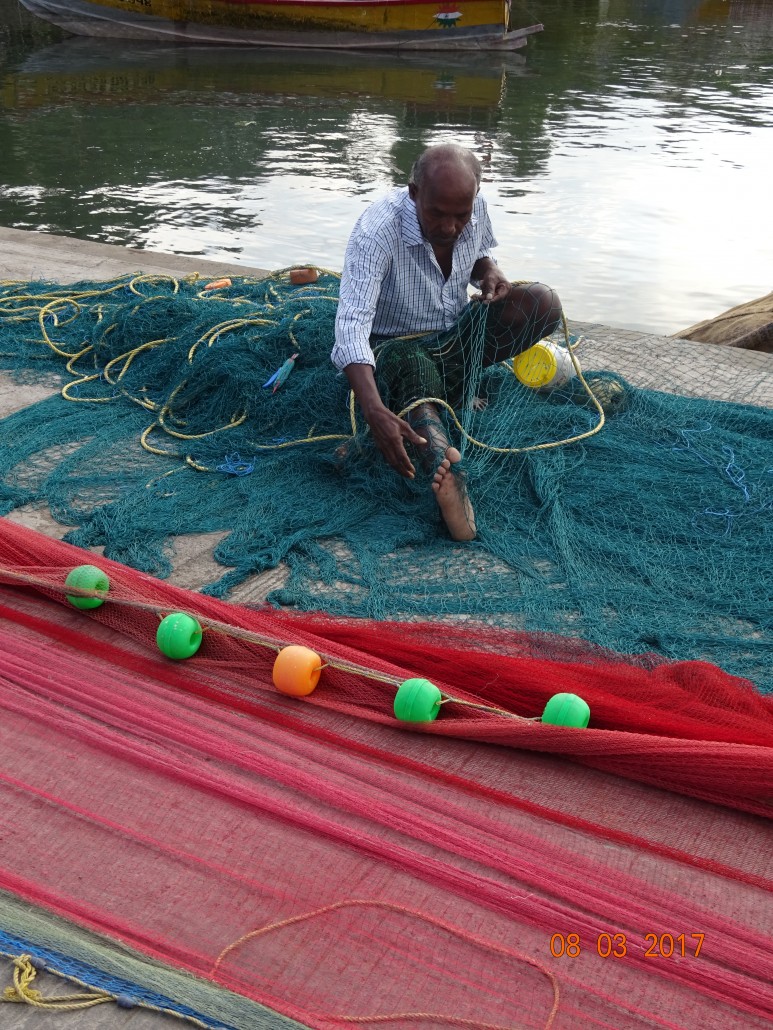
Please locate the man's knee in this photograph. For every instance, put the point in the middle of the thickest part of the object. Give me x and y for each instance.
(534, 304)
(528, 313)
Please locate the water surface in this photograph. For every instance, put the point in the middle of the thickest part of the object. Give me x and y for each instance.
(627, 149)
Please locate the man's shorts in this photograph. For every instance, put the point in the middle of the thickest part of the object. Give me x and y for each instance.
(443, 365)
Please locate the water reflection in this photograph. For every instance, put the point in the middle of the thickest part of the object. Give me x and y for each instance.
(108, 71)
(228, 141)
(625, 154)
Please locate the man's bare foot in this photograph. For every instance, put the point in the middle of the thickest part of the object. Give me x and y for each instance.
(453, 499)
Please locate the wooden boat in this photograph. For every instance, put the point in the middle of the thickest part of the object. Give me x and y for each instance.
(326, 24)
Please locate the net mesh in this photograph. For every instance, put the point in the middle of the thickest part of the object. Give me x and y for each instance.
(314, 856)
(652, 534)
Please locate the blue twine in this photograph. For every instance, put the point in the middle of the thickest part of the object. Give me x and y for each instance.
(685, 433)
(234, 465)
(734, 473)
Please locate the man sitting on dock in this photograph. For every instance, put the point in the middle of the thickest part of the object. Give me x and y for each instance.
(409, 261)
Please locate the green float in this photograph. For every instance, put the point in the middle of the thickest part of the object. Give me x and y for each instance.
(566, 710)
(87, 577)
(178, 636)
(417, 700)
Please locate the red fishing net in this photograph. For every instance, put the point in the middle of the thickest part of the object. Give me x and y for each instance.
(338, 866)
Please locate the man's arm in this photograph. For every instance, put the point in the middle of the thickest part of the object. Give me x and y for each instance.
(364, 271)
(493, 284)
(363, 274)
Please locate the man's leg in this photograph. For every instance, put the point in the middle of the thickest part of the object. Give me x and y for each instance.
(485, 334)
(529, 313)
(448, 485)
(409, 374)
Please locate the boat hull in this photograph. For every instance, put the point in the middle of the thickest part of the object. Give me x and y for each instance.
(325, 24)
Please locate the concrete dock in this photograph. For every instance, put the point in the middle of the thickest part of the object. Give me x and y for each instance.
(651, 361)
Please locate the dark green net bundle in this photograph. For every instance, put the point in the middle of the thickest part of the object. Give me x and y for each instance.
(649, 532)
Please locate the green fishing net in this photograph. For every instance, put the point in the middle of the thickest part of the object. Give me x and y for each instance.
(647, 528)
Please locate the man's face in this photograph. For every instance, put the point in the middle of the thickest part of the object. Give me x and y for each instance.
(444, 203)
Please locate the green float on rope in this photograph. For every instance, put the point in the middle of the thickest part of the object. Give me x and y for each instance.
(566, 710)
(417, 700)
(178, 636)
(87, 577)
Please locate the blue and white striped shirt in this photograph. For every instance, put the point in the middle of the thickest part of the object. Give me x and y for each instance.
(391, 283)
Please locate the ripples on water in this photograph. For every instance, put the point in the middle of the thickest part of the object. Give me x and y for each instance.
(626, 154)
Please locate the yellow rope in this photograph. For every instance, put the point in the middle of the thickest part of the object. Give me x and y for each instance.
(154, 450)
(50, 309)
(129, 356)
(155, 278)
(213, 334)
(294, 443)
(65, 391)
(63, 308)
(166, 413)
(438, 402)
(22, 993)
(71, 1003)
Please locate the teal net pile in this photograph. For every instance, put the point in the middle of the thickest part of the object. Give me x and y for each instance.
(647, 528)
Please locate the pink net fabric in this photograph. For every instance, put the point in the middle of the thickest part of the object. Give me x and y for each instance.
(315, 856)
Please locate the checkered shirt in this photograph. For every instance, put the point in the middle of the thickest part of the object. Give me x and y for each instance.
(391, 283)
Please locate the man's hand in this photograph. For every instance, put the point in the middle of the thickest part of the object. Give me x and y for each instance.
(390, 434)
(493, 284)
(389, 431)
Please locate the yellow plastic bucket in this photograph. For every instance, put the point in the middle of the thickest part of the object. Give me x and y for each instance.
(545, 365)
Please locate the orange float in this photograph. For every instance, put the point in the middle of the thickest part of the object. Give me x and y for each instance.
(296, 670)
(303, 276)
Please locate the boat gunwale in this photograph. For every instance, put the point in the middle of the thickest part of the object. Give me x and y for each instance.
(131, 24)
